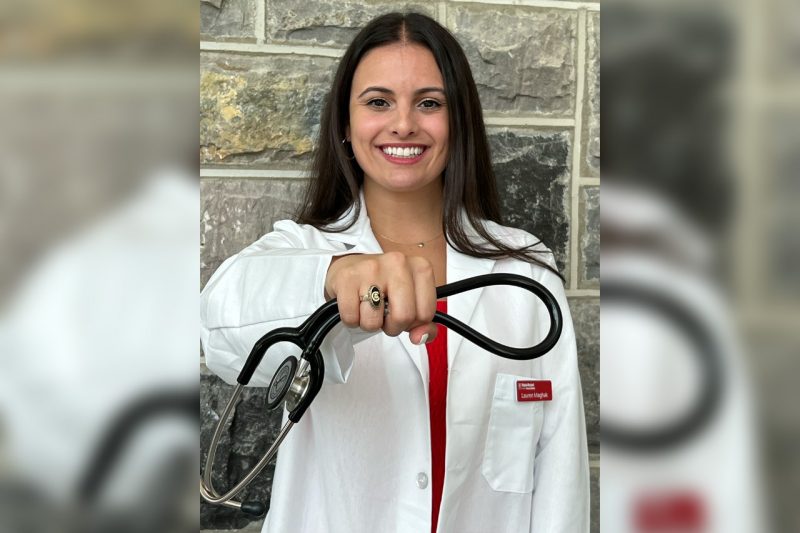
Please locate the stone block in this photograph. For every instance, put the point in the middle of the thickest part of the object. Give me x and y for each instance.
(237, 212)
(589, 245)
(329, 22)
(586, 319)
(533, 176)
(591, 106)
(228, 20)
(522, 58)
(242, 444)
(261, 110)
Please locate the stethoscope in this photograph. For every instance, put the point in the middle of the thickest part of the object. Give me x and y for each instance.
(297, 382)
(699, 415)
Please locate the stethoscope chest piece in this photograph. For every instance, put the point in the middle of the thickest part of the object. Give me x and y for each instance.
(290, 382)
(281, 382)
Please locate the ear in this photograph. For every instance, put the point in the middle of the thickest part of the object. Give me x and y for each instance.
(347, 132)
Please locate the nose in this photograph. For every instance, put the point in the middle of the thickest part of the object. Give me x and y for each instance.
(404, 123)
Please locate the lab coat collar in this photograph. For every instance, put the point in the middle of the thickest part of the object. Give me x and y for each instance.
(359, 238)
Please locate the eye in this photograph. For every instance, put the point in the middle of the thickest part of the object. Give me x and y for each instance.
(429, 103)
(379, 103)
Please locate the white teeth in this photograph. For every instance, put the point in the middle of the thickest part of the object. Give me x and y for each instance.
(395, 151)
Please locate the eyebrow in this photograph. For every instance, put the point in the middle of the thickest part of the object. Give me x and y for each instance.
(389, 91)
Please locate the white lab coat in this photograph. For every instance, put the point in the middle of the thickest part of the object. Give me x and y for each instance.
(359, 461)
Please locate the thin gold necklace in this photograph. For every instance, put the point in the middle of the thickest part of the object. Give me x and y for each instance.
(419, 244)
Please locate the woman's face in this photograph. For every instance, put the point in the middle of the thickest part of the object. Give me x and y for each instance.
(398, 118)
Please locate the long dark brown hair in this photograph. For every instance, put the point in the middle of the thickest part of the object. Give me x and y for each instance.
(470, 186)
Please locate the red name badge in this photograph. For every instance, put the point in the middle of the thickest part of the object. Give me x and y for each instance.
(683, 511)
(534, 391)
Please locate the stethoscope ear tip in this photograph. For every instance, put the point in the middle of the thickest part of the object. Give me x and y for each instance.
(256, 509)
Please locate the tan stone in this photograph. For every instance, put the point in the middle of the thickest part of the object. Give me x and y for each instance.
(255, 110)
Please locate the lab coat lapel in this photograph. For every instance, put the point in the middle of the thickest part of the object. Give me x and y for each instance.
(462, 306)
(362, 240)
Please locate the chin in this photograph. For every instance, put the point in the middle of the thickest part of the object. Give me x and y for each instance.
(405, 183)
(406, 186)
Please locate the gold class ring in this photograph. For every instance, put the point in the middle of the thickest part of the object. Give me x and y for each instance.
(373, 296)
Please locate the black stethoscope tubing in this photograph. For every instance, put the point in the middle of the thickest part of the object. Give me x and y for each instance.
(309, 335)
(697, 417)
(305, 379)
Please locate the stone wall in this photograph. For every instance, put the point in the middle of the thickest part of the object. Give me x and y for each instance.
(265, 67)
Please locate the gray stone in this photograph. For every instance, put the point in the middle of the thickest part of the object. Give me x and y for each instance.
(256, 110)
(228, 19)
(591, 106)
(532, 169)
(242, 444)
(328, 22)
(589, 219)
(523, 59)
(237, 212)
(586, 318)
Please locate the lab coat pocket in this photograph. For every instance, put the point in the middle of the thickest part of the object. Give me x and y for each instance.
(514, 429)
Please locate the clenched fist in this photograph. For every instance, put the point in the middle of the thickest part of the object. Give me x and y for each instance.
(406, 282)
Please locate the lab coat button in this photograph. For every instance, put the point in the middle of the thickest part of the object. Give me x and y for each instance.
(422, 480)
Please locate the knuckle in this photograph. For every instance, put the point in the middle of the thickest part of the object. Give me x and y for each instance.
(423, 267)
(426, 315)
(370, 268)
(394, 258)
(350, 274)
(426, 271)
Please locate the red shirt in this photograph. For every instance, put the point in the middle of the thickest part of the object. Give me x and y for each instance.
(437, 389)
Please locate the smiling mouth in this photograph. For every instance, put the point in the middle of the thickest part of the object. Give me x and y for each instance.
(403, 152)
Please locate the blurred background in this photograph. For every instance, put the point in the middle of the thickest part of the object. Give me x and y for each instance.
(99, 204)
(699, 266)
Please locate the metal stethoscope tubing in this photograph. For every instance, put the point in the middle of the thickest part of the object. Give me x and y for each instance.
(299, 382)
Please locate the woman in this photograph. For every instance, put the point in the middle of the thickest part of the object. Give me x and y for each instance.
(414, 430)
